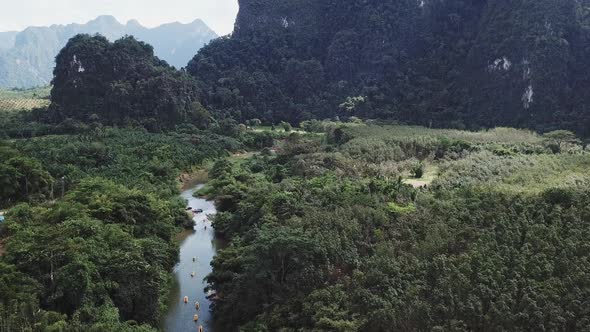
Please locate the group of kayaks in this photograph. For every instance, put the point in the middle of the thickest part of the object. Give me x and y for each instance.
(196, 316)
(185, 299)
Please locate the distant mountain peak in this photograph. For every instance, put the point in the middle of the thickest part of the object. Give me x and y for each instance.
(27, 57)
(106, 18)
(198, 21)
(134, 23)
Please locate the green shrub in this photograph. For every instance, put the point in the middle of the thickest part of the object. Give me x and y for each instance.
(286, 126)
(395, 208)
(418, 170)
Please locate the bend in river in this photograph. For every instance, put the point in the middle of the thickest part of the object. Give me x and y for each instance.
(202, 246)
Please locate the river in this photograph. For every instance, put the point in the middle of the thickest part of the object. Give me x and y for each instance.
(202, 245)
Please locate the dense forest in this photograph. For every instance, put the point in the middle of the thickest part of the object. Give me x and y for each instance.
(373, 228)
(92, 216)
(89, 238)
(458, 63)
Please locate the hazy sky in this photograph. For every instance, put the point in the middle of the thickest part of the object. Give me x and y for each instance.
(19, 14)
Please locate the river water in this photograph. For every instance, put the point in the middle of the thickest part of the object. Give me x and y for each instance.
(201, 245)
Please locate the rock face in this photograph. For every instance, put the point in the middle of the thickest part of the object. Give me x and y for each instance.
(524, 66)
(27, 57)
(454, 62)
(120, 83)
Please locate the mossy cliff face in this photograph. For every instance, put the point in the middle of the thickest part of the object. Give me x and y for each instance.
(460, 63)
(524, 63)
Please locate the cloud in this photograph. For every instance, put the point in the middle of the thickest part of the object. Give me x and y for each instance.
(218, 14)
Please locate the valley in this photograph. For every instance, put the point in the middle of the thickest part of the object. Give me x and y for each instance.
(328, 166)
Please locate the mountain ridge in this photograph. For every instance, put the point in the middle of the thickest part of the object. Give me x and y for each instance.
(29, 61)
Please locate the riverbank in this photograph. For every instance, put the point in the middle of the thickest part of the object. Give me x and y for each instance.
(191, 179)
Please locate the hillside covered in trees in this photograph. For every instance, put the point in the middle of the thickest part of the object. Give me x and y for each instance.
(121, 83)
(459, 63)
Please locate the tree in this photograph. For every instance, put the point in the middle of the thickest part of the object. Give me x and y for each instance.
(22, 178)
(9, 184)
(344, 55)
(228, 127)
(286, 126)
(352, 104)
(200, 116)
(418, 170)
(255, 123)
(560, 137)
(220, 168)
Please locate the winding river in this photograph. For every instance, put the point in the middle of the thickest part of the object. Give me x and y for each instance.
(201, 245)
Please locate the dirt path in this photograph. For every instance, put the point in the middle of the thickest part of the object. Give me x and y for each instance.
(430, 174)
(416, 183)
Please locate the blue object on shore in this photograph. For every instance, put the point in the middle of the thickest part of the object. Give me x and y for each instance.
(1, 218)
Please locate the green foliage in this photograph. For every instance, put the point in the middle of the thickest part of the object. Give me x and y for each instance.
(315, 126)
(418, 170)
(398, 209)
(93, 246)
(121, 83)
(286, 126)
(254, 123)
(146, 161)
(338, 242)
(558, 138)
(352, 104)
(519, 173)
(21, 179)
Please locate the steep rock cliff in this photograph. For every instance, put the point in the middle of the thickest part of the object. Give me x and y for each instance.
(463, 63)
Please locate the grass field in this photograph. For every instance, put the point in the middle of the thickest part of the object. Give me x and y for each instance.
(422, 134)
(499, 159)
(17, 99)
(430, 174)
(520, 173)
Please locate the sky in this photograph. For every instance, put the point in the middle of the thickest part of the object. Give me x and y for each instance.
(16, 15)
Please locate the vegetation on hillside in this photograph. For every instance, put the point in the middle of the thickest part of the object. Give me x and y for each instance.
(121, 83)
(454, 63)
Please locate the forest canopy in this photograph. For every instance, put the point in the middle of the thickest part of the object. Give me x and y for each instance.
(342, 234)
